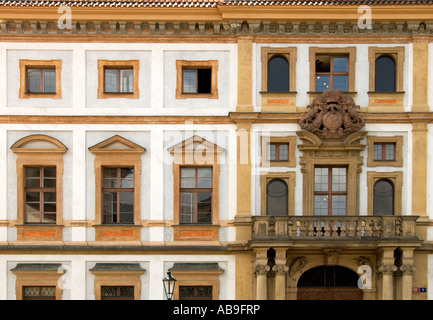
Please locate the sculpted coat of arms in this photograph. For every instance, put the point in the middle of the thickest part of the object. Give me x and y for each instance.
(332, 116)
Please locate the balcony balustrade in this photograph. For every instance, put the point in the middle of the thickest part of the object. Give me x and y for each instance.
(333, 227)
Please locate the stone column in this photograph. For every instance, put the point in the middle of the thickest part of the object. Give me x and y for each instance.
(281, 269)
(387, 271)
(406, 286)
(262, 281)
(280, 280)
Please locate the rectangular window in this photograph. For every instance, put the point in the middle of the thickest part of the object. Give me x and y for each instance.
(196, 195)
(384, 152)
(118, 80)
(330, 191)
(118, 195)
(278, 152)
(40, 195)
(196, 79)
(331, 73)
(41, 80)
(39, 293)
(117, 292)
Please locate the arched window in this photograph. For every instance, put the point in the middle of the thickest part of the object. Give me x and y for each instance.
(383, 198)
(277, 198)
(384, 74)
(278, 74)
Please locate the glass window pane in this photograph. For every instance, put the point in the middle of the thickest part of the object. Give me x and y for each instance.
(49, 80)
(50, 172)
(322, 83)
(34, 80)
(50, 197)
(187, 177)
(383, 198)
(283, 152)
(389, 152)
(384, 77)
(189, 84)
(111, 80)
(323, 64)
(32, 197)
(340, 64)
(127, 178)
(320, 205)
(33, 183)
(377, 155)
(340, 83)
(49, 183)
(272, 152)
(126, 80)
(320, 179)
(204, 179)
(338, 179)
(49, 207)
(109, 178)
(109, 207)
(187, 207)
(277, 198)
(49, 218)
(33, 172)
(204, 205)
(278, 74)
(339, 205)
(126, 200)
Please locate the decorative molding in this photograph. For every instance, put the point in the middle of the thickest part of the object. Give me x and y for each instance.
(332, 116)
(200, 28)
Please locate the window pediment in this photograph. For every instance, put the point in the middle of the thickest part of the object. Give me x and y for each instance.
(38, 143)
(117, 144)
(195, 150)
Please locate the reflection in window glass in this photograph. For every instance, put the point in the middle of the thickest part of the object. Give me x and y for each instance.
(330, 191)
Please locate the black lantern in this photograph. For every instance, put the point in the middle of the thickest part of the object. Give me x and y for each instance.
(169, 283)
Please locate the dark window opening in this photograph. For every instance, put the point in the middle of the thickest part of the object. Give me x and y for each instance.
(383, 198)
(278, 74)
(384, 78)
(277, 198)
(328, 276)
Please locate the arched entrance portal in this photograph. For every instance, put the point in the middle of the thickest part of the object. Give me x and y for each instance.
(329, 283)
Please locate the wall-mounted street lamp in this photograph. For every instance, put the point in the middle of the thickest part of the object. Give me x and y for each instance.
(169, 283)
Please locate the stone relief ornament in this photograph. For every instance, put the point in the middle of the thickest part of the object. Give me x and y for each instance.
(332, 116)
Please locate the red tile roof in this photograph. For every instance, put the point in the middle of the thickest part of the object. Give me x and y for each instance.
(204, 3)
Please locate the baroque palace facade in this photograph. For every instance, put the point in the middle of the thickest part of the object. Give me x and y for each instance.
(256, 150)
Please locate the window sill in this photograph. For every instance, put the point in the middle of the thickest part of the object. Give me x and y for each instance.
(117, 232)
(195, 232)
(42, 95)
(385, 101)
(278, 101)
(39, 232)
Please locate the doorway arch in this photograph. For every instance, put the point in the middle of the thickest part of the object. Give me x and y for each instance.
(329, 283)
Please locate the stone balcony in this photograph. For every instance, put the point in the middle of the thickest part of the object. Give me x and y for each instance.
(339, 228)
